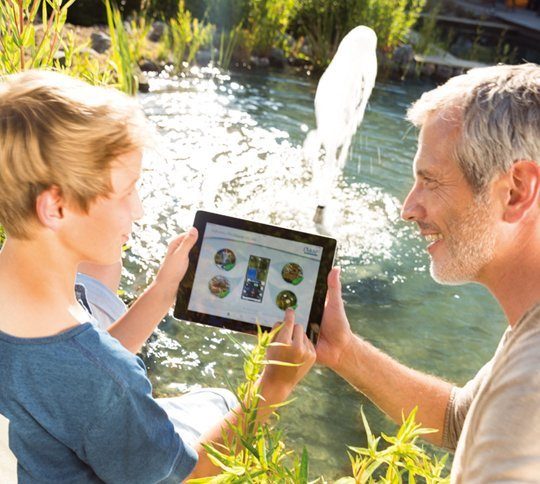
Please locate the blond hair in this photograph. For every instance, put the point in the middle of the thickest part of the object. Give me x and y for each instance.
(498, 111)
(59, 131)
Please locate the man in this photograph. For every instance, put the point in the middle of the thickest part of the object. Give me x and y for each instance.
(476, 200)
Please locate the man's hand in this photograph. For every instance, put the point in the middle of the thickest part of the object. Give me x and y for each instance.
(175, 264)
(295, 347)
(336, 335)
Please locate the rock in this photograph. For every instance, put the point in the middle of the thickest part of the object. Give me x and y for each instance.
(428, 69)
(100, 42)
(444, 72)
(157, 31)
(277, 57)
(147, 65)
(461, 47)
(403, 55)
(259, 61)
(60, 57)
(204, 57)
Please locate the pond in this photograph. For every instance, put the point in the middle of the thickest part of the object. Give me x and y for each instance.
(232, 143)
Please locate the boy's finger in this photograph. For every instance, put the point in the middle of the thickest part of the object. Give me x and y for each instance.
(298, 335)
(187, 241)
(309, 345)
(288, 324)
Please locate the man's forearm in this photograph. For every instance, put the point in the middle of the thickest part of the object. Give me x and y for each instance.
(395, 388)
(141, 319)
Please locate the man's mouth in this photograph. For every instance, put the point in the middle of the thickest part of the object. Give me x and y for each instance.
(433, 237)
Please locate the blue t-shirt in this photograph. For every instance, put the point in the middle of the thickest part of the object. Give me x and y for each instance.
(81, 410)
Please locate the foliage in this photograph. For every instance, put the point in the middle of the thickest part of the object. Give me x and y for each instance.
(228, 40)
(25, 43)
(257, 454)
(402, 458)
(2, 236)
(325, 22)
(122, 57)
(268, 21)
(138, 29)
(186, 35)
(254, 452)
(78, 62)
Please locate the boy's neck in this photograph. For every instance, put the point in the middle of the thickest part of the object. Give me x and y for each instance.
(37, 296)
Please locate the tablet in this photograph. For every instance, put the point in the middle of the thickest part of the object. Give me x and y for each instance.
(242, 274)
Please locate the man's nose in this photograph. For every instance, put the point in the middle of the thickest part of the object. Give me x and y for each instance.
(412, 209)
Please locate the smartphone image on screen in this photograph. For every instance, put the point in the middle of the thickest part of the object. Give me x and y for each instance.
(255, 281)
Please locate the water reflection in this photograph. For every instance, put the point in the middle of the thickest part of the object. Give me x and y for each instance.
(234, 144)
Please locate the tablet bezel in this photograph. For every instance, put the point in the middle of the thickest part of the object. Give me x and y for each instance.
(202, 218)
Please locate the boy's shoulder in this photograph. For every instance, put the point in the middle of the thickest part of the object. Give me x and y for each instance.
(82, 368)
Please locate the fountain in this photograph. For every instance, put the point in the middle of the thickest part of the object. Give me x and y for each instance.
(340, 102)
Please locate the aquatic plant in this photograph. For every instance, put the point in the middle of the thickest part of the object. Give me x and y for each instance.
(122, 58)
(324, 23)
(401, 458)
(228, 41)
(267, 23)
(26, 43)
(256, 452)
(186, 35)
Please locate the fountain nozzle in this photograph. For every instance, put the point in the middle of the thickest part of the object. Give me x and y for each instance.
(318, 218)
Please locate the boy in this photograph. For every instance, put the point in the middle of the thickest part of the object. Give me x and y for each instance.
(79, 404)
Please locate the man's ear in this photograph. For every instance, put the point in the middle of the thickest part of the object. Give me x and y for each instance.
(524, 187)
(50, 207)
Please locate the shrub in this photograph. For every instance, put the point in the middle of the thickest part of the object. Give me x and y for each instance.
(325, 22)
(257, 454)
(186, 35)
(268, 21)
(25, 44)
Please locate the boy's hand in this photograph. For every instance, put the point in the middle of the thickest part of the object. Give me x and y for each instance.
(175, 264)
(336, 334)
(298, 349)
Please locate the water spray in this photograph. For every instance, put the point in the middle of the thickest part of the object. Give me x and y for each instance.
(340, 102)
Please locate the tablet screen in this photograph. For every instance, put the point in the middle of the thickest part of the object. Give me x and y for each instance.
(253, 277)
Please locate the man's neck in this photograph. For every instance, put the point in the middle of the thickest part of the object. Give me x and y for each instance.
(515, 281)
(36, 289)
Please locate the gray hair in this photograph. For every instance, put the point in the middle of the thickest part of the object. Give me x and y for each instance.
(498, 109)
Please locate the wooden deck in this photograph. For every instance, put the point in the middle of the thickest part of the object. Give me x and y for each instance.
(517, 17)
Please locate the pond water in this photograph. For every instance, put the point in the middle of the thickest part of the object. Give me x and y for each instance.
(233, 144)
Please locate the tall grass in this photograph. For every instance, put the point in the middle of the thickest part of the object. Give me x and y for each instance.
(186, 35)
(325, 22)
(122, 57)
(267, 23)
(254, 452)
(228, 41)
(257, 453)
(26, 44)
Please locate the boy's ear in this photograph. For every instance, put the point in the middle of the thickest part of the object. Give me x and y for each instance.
(50, 207)
(524, 189)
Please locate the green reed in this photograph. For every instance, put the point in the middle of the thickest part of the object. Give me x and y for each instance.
(25, 42)
(325, 22)
(185, 36)
(256, 453)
